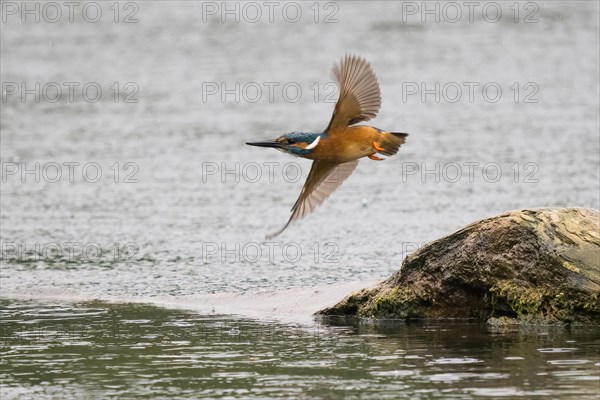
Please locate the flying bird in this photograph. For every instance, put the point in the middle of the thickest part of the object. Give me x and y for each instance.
(335, 151)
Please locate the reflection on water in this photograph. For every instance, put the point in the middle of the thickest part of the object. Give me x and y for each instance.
(105, 350)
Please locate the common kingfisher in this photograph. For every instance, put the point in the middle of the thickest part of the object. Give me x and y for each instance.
(338, 148)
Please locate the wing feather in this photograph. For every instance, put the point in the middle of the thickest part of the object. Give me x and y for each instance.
(323, 179)
(360, 96)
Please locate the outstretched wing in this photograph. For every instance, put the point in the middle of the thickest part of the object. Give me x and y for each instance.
(360, 97)
(323, 179)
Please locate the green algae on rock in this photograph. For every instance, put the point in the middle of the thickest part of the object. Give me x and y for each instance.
(526, 266)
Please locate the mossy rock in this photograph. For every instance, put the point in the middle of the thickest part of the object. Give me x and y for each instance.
(526, 266)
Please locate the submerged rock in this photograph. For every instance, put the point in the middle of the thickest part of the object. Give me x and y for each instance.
(532, 266)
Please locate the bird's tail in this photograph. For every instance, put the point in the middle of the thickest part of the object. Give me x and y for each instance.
(391, 142)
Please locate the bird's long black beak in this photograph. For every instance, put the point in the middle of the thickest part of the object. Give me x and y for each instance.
(265, 143)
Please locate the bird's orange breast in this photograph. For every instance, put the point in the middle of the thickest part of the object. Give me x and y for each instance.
(342, 146)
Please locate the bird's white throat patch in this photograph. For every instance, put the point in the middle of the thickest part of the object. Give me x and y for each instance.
(314, 143)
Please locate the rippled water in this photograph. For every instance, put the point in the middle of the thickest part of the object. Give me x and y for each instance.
(134, 351)
(182, 206)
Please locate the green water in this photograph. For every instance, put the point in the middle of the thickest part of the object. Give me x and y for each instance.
(100, 350)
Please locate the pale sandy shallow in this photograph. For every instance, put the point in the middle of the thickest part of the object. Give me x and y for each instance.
(295, 305)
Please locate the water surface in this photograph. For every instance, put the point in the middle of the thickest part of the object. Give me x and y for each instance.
(135, 351)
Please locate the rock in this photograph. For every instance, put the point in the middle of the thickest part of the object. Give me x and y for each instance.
(527, 266)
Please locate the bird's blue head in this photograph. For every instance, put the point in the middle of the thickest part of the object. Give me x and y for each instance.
(295, 143)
